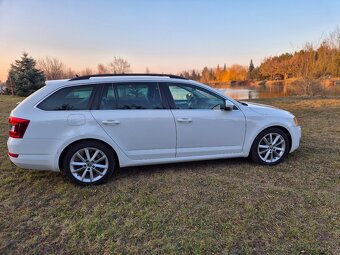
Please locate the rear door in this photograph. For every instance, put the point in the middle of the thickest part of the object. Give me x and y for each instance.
(136, 117)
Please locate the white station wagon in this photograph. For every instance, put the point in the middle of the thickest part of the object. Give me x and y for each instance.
(89, 125)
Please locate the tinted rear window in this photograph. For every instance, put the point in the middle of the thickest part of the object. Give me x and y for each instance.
(71, 98)
(138, 95)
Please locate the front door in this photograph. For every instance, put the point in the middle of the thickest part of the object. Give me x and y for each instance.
(202, 127)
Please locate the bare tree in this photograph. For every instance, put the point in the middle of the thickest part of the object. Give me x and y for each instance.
(86, 71)
(102, 69)
(147, 70)
(53, 68)
(119, 65)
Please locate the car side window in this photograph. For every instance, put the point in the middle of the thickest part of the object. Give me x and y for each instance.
(135, 95)
(191, 97)
(66, 99)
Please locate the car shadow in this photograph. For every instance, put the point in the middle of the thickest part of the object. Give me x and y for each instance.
(199, 166)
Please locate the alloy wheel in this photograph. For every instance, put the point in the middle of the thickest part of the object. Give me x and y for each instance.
(271, 147)
(89, 164)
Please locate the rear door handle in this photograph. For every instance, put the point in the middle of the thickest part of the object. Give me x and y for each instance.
(111, 122)
(184, 120)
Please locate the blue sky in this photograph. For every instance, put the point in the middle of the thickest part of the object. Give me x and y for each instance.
(163, 35)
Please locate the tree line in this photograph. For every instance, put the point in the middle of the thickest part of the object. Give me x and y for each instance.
(311, 64)
(27, 75)
(314, 61)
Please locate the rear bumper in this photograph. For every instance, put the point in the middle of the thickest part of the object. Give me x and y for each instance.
(296, 137)
(32, 154)
(38, 162)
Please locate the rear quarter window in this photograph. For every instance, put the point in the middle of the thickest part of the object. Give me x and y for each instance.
(67, 99)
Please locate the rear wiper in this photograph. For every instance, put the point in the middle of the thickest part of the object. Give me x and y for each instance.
(242, 103)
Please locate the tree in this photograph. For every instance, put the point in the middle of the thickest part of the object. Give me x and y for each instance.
(24, 77)
(205, 75)
(251, 66)
(218, 73)
(250, 70)
(119, 65)
(86, 71)
(102, 69)
(53, 68)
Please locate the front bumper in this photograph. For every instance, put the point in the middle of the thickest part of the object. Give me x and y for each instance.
(296, 137)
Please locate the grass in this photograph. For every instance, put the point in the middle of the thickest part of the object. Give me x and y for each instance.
(224, 206)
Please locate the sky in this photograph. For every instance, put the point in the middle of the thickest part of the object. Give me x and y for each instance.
(162, 35)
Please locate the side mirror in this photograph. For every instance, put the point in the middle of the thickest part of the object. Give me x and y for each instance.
(228, 106)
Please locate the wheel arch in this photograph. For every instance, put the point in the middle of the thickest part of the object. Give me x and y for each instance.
(282, 128)
(64, 151)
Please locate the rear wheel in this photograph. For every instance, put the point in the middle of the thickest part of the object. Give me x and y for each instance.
(89, 162)
(270, 147)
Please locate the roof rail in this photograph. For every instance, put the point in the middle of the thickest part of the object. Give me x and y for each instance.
(85, 77)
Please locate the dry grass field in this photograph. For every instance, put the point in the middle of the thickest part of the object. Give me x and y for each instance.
(230, 206)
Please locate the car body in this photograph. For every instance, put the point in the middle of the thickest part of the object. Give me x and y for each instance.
(143, 119)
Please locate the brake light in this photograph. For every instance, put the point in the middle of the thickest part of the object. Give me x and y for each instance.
(17, 127)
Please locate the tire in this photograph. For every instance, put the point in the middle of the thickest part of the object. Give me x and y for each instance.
(270, 147)
(83, 167)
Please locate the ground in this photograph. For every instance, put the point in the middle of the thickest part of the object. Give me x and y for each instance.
(230, 206)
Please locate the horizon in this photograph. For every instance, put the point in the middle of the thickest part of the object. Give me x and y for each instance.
(163, 36)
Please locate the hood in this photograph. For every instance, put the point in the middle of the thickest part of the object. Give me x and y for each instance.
(267, 109)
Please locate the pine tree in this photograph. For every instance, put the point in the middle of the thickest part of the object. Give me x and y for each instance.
(25, 77)
(250, 70)
(218, 73)
(251, 66)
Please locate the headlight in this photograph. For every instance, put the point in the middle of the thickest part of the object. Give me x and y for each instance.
(296, 121)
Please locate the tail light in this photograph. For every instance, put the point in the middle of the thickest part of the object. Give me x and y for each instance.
(17, 127)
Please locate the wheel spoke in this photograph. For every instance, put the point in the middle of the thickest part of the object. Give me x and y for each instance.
(282, 141)
(101, 159)
(271, 138)
(267, 155)
(78, 163)
(91, 175)
(84, 174)
(81, 157)
(95, 155)
(88, 157)
(276, 139)
(266, 141)
(263, 146)
(78, 170)
(271, 156)
(100, 166)
(277, 154)
(264, 151)
(278, 149)
(98, 172)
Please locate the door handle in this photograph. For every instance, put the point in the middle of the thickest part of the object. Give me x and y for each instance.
(111, 122)
(184, 120)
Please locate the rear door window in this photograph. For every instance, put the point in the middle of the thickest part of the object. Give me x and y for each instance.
(67, 99)
(135, 95)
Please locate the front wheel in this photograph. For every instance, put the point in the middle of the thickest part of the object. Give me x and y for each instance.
(89, 162)
(270, 147)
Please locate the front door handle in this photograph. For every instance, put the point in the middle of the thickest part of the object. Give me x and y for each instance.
(111, 122)
(184, 120)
